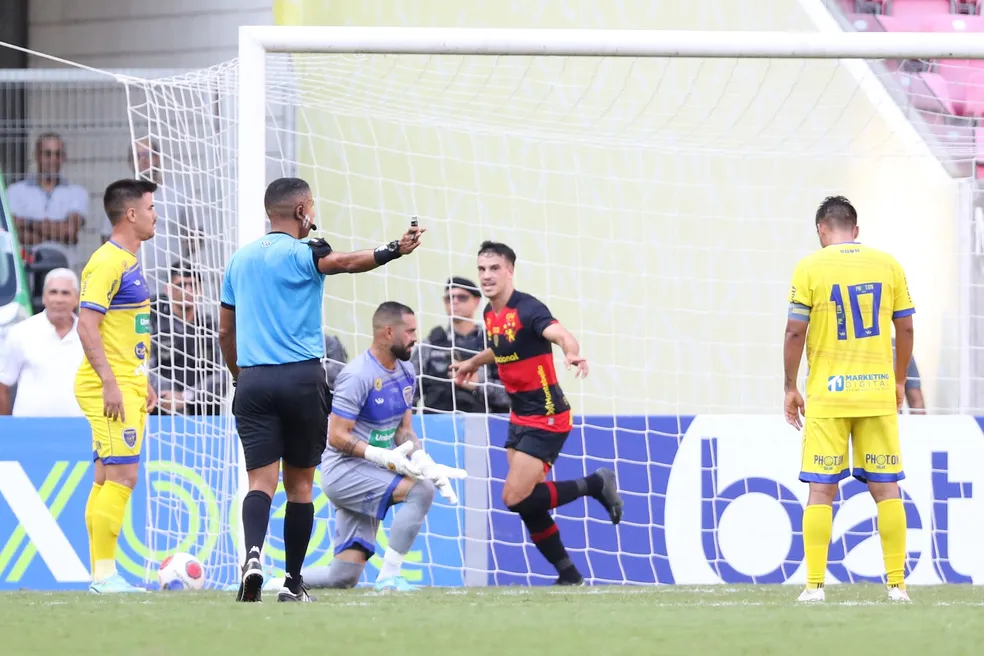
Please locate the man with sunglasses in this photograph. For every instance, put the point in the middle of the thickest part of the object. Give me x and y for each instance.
(271, 338)
(455, 341)
(46, 207)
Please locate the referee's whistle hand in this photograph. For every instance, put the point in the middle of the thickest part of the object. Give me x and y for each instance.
(411, 240)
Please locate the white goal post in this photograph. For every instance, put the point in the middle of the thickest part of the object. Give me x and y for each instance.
(658, 187)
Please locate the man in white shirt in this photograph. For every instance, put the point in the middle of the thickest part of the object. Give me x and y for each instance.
(41, 354)
(48, 209)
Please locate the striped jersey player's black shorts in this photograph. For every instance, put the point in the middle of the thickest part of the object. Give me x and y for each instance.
(282, 412)
(537, 442)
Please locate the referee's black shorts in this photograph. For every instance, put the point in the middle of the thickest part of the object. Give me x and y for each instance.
(281, 412)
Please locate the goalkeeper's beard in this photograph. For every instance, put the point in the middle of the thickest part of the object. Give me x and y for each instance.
(401, 352)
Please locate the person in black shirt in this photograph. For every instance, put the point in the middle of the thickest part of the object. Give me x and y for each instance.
(184, 362)
(456, 341)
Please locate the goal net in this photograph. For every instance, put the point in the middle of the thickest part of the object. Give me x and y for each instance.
(657, 205)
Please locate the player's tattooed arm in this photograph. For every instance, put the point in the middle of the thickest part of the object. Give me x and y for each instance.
(342, 437)
(405, 432)
(92, 345)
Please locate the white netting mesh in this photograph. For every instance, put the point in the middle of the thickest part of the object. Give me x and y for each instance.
(656, 205)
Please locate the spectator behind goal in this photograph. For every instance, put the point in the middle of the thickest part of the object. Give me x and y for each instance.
(184, 363)
(456, 341)
(47, 208)
(335, 358)
(42, 354)
(179, 233)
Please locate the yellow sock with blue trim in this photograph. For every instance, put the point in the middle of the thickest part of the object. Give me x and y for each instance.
(891, 530)
(109, 509)
(89, 509)
(818, 524)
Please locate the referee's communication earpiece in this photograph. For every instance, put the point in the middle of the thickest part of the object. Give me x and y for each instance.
(302, 216)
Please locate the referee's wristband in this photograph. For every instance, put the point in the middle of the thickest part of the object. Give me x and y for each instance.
(387, 252)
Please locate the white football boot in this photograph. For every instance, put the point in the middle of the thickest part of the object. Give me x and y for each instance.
(812, 595)
(898, 594)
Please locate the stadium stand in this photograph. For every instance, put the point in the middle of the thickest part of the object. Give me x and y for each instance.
(949, 95)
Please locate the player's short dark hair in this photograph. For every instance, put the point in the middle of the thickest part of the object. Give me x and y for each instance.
(284, 192)
(122, 194)
(389, 313)
(184, 269)
(497, 248)
(838, 212)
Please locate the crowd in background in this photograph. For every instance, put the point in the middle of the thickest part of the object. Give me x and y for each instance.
(39, 356)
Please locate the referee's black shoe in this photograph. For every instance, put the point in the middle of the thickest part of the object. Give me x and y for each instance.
(286, 594)
(250, 589)
(609, 496)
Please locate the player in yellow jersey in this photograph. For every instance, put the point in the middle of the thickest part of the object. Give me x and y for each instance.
(844, 300)
(112, 385)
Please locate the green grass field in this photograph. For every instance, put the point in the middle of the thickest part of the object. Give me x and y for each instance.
(602, 621)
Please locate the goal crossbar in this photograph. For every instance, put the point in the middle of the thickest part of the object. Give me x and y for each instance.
(613, 43)
(256, 41)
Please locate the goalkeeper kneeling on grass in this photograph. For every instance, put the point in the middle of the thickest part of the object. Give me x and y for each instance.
(360, 472)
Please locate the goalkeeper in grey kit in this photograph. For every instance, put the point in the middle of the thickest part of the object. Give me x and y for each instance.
(361, 474)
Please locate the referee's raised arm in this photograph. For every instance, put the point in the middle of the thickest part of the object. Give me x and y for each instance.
(272, 342)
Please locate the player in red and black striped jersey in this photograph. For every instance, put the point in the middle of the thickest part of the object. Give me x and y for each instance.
(522, 332)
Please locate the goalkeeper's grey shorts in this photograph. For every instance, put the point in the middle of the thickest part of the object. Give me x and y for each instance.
(361, 493)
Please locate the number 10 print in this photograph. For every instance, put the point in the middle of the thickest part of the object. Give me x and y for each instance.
(863, 326)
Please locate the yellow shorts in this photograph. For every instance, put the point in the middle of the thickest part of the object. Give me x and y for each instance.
(874, 442)
(116, 442)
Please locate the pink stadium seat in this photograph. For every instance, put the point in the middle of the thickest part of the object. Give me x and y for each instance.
(973, 100)
(965, 79)
(908, 23)
(952, 23)
(920, 7)
(928, 92)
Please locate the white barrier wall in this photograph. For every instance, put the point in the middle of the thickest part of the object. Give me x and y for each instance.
(142, 33)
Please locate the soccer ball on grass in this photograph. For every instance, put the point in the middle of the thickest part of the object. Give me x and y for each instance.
(181, 571)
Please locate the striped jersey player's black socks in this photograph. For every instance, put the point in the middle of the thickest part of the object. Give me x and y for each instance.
(553, 494)
(546, 537)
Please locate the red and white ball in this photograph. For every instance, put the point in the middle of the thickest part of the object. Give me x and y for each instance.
(181, 571)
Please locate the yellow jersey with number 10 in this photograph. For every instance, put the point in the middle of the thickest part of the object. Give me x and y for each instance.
(849, 293)
(113, 284)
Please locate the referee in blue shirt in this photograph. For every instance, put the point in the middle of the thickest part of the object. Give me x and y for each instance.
(272, 342)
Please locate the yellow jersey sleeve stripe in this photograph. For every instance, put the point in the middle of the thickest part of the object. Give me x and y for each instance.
(898, 314)
(93, 306)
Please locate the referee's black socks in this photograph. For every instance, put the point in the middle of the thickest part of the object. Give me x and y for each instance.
(298, 522)
(256, 518)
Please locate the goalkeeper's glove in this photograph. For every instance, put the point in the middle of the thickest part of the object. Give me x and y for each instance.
(439, 475)
(394, 460)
